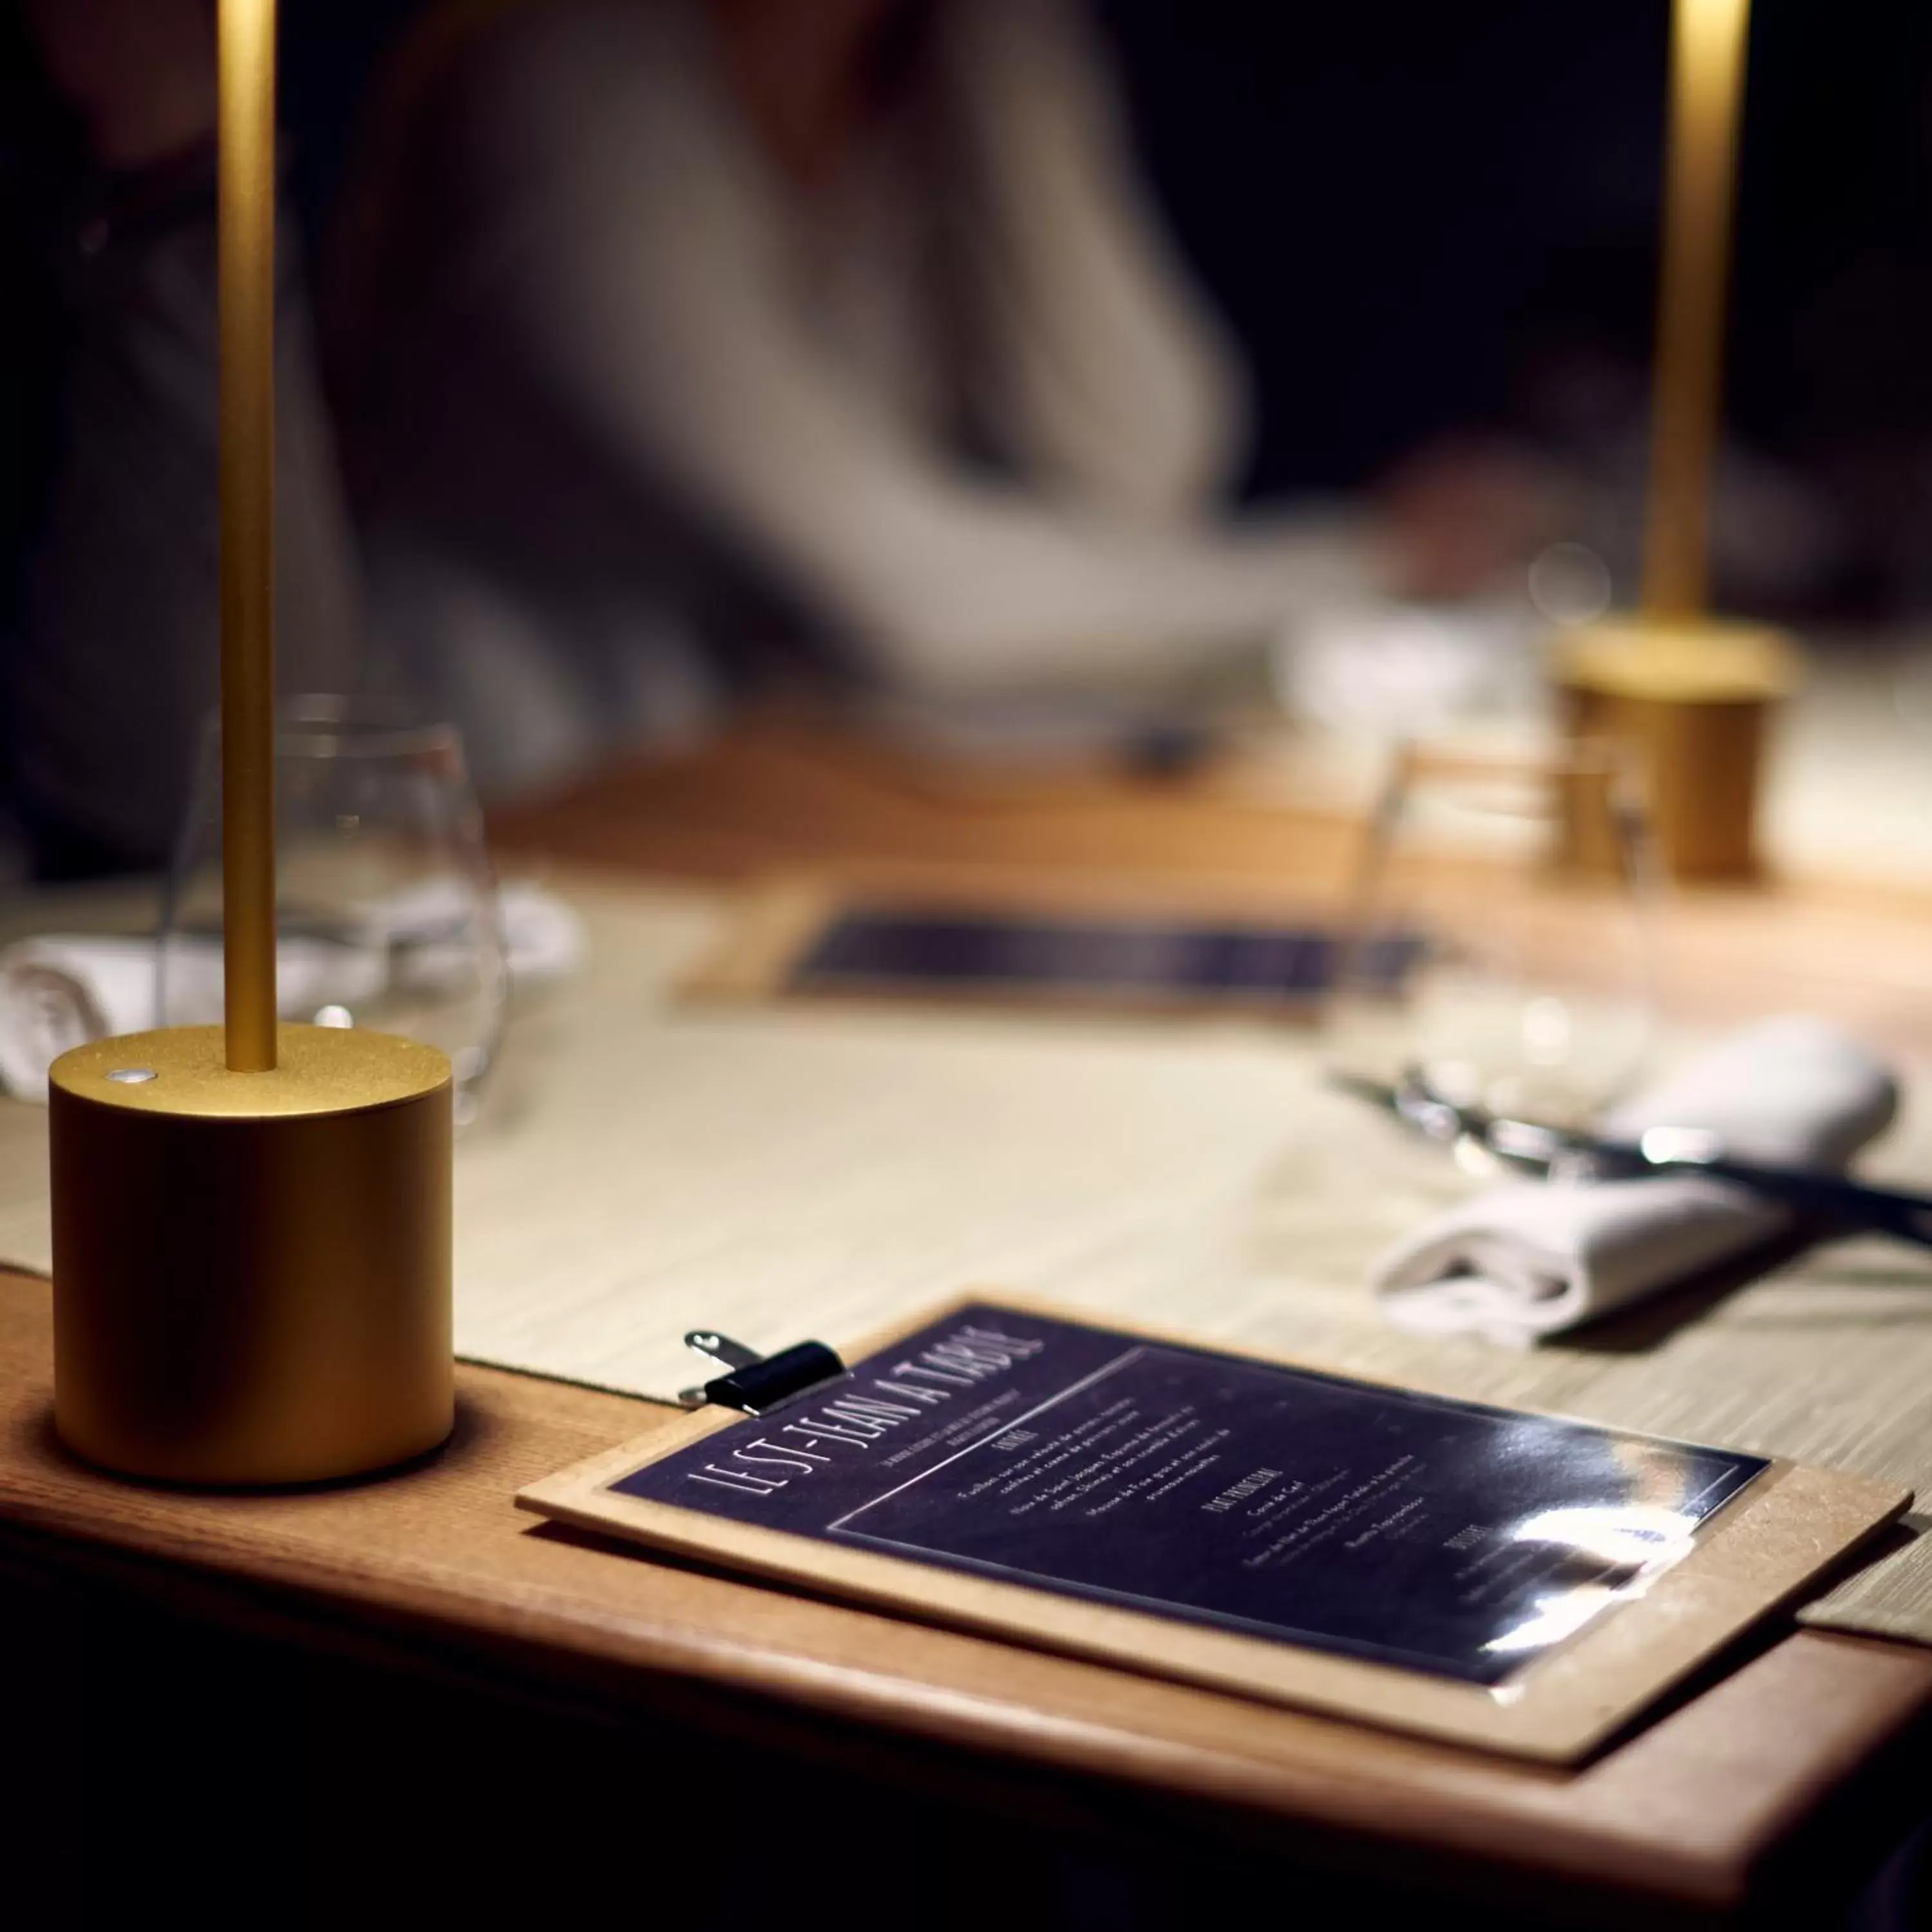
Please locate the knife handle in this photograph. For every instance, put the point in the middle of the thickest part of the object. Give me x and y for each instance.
(1850, 1203)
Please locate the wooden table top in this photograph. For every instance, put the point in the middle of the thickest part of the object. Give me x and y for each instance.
(780, 795)
(1698, 1812)
(1688, 1811)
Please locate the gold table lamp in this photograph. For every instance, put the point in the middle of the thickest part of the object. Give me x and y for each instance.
(251, 1222)
(1690, 694)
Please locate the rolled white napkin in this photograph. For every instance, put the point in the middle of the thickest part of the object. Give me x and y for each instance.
(1530, 1258)
(60, 990)
(55, 993)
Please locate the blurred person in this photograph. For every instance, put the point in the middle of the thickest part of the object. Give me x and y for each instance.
(678, 326)
(109, 635)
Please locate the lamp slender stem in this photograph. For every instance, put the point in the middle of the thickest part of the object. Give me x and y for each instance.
(1707, 62)
(247, 470)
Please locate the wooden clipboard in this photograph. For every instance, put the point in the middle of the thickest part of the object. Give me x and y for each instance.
(1790, 1525)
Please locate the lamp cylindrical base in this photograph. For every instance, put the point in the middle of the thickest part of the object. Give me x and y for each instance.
(251, 1271)
(1693, 703)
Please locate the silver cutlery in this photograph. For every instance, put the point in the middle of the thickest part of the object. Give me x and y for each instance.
(1532, 1147)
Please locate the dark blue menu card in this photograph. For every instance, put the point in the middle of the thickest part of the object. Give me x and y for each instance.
(1216, 1490)
(964, 951)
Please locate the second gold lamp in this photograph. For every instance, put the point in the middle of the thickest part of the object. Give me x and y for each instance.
(1692, 694)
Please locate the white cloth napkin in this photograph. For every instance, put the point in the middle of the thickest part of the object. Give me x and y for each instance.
(60, 990)
(1530, 1258)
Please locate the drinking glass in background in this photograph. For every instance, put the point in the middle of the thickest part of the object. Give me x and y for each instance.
(1500, 939)
(386, 908)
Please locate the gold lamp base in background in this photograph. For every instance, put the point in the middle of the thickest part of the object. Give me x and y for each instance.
(1692, 702)
(251, 1271)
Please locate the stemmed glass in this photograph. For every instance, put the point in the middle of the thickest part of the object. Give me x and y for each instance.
(1499, 947)
(386, 904)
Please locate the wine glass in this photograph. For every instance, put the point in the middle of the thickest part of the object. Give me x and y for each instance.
(386, 911)
(1499, 946)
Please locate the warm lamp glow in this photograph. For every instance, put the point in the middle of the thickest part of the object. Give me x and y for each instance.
(248, 465)
(1706, 92)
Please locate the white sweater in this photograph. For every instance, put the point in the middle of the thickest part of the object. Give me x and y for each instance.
(789, 376)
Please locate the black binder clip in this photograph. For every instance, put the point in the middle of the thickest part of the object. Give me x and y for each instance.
(756, 1383)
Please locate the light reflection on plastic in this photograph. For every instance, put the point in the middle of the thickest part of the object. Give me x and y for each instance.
(1639, 1539)
(1554, 1617)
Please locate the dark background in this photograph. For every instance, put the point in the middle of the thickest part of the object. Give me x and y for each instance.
(1431, 206)
(1429, 218)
